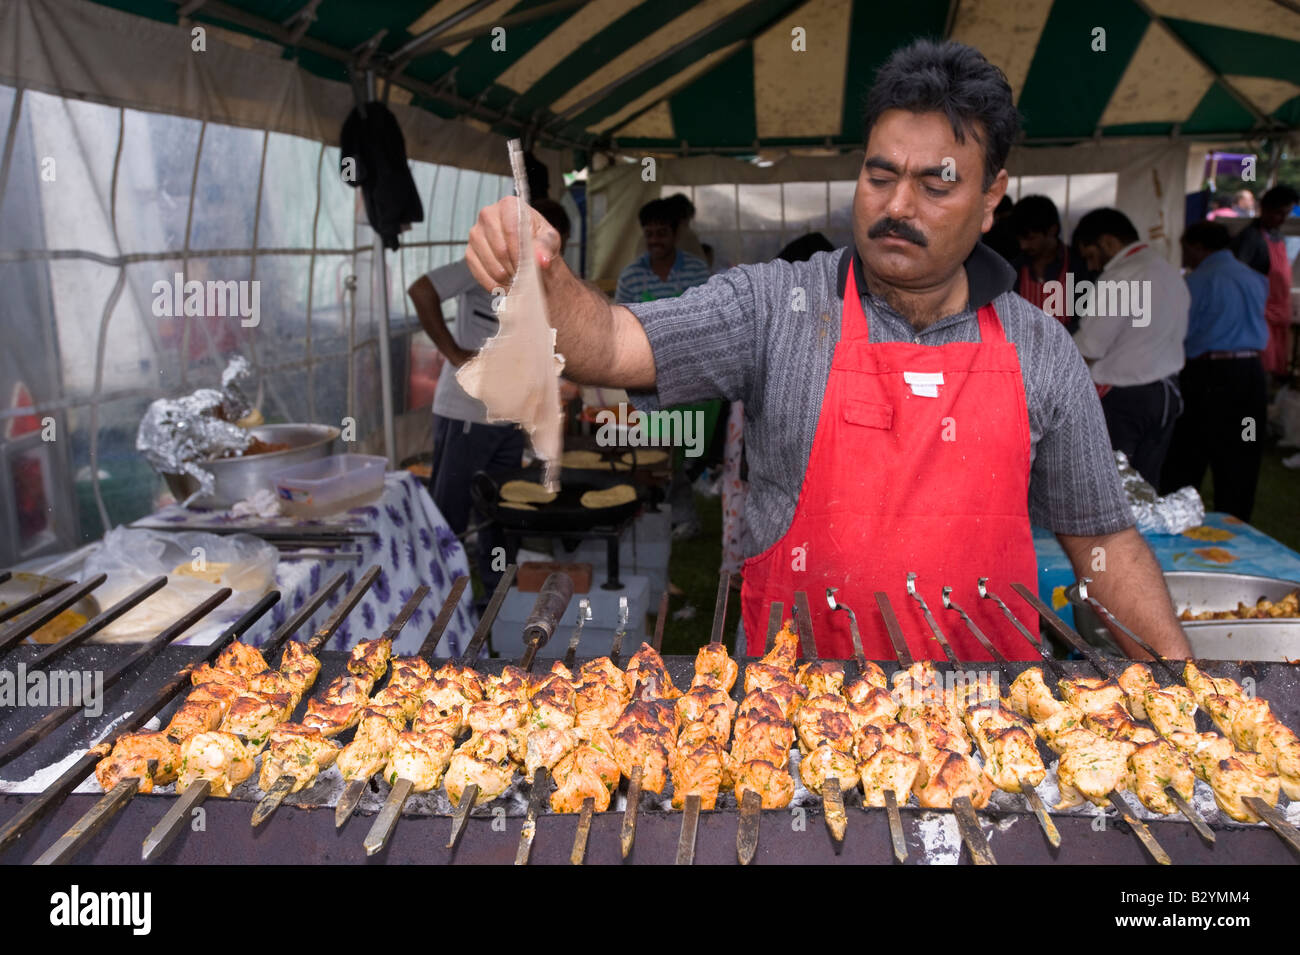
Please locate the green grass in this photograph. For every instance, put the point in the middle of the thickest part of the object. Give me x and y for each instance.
(693, 567)
(1277, 499)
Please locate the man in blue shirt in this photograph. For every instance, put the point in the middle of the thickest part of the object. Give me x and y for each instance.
(1223, 382)
(665, 271)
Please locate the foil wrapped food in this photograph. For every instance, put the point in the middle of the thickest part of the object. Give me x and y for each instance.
(177, 434)
(1171, 514)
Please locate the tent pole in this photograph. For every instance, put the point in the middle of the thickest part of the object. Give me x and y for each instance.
(379, 277)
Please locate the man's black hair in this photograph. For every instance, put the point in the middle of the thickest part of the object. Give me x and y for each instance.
(1208, 235)
(657, 211)
(953, 79)
(554, 213)
(1004, 207)
(681, 206)
(1279, 197)
(1035, 214)
(1101, 222)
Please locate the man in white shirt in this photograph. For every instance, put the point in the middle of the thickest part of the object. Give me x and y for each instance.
(463, 441)
(1132, 322)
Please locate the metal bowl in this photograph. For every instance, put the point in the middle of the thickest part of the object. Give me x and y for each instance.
(1277, 640)
(239, 478)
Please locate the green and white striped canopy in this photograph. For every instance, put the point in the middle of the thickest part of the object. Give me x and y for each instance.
(741, 76)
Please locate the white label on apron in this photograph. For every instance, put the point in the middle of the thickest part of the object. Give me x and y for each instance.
(924, 384)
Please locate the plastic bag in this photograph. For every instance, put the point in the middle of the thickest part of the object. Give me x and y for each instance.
(196, 566)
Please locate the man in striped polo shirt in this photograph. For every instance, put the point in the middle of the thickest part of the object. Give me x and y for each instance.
(665, 271)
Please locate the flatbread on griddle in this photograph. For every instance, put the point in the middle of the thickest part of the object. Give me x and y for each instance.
(609, 497)
(585, 461)
(645, 459)
(519, 506)
(526, 492)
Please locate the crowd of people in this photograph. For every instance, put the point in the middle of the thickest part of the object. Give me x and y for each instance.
(1184, 385)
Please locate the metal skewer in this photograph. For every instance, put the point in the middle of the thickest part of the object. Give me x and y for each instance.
(976, 632)
(56, 718)
(1044, 818)
(616, 649)
(1190, 814)
(894, 630)
(627, 834)
(20, 630)
(1059, 627)
(969, 826)
(284, 785)
(31, 600)
(1139, 828)
(175, 818)
(59, 790)
(88, 825)
(91, 627)
(580, 836)
(803, 623)
(584, 614)
(536, 802)
(751, 803)
(1053, 664)
(356, 788)
(660, 619)
(929, 618)
(469, 795)
(895, 826)
(1080, 589)
(837, 820)
(1274, 820)
(858, 656)
(690, 823)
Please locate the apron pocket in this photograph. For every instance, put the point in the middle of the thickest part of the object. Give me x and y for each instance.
(869, 414)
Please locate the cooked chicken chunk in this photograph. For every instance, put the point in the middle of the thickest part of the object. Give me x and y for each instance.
(824, 762)
(253, 715)
(1090, 693)
(422, 758)
(871, 675)
(511, 683)
(760, 676)
(509, 715)
(824, 719)
(299, 667)
(1031, 697)
(888, 769)
(1012, 758)
(240, 658)
(409, 671)
(547, 746)
(709, 705)
(431, 718)
(599, 704)
(401, 700)
(555, 704)
(1113, 721)
(774, 784)
(206, 673)
(470, 684)
(758, 738)
(870, 738)
(130, 757)
(197, 716)
(1232, 780)
(370, 747)
(820, 677)
(1203, 685)
(954, 775)
(1203, 750)
(714, 665)
(1279, 749)
(220, 758)
(647, 669)
(450, 698)
(222, 694)
(558, 671)
(331, 719)
(586, 772)
(700, 767)
(369, 659)
(1156, 765)
(1171, 710)
(875, 706)
(1135, 682)
(347, 689)
(1222, 710)
(932, 741)
(784, 653)
(1250, 720)
(1093, 771)
(603, 671)
(274, 682)
(297, 751)
(482, 759)
(1064, 729)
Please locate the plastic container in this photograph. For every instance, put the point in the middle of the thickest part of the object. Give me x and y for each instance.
(331, 484)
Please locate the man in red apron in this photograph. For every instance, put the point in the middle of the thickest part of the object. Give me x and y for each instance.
(905, 411)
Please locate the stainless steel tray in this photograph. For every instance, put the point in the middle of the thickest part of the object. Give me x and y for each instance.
(1276, 640)
(239, 478)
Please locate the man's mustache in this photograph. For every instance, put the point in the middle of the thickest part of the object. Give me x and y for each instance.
(897, 227)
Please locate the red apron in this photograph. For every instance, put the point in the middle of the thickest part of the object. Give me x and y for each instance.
(1277, 307)
(908, 474)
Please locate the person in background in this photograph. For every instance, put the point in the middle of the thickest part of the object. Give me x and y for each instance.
(682, 209)
(1243, 204)
(1044, 257)
(463, 441)
(1223, 382)
(1135, 358)
(1260, 245)
(665, 271)
(1002, 237)
(805, 247)
(708, 255)
(1221, 207)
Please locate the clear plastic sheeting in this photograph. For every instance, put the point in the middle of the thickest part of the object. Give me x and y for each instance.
(102, 208)
(1171, 514)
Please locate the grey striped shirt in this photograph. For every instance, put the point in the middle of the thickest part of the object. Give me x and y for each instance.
(741, 337)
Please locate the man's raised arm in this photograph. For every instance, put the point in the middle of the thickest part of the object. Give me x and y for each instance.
(602, 343)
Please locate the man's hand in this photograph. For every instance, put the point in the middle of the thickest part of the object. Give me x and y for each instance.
(461, 355)
(602, 344)
(493, 253)
(1127, 581)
